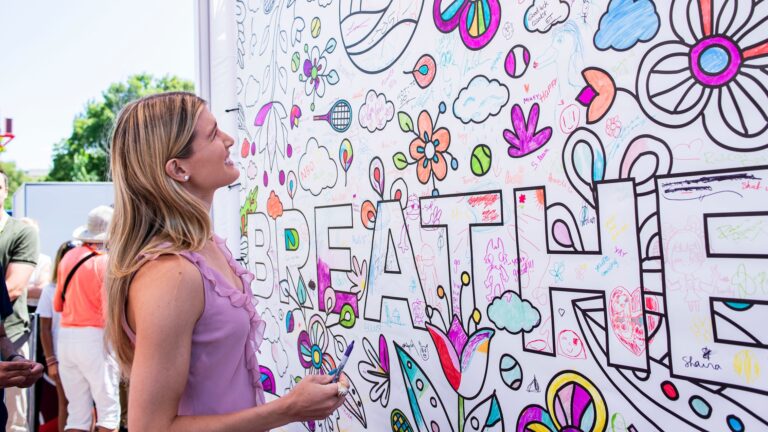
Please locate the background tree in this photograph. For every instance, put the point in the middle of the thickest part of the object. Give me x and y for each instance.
(84, 156)
(16, 178)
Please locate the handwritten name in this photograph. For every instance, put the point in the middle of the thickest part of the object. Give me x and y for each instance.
(691, 363)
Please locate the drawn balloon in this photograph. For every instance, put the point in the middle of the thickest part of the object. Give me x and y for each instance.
(345, 157)
(376, 176)
(424, 71)
(291, 184)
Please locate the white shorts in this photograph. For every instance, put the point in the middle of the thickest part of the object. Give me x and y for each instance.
(89, 375)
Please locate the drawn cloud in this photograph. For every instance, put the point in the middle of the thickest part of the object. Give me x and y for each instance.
(376, 112)
(544, 14)
(317, 171)
(625, 23)
(509, 312)
(480, 99)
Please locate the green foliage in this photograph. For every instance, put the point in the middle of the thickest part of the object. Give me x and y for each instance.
(84, 156)
(16, 178)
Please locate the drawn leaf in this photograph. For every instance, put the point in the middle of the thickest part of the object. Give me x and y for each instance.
(401, 162)
(264, 41)
(266, 79)
(283, 78)
(284, 41)
(330, 46)
(340, 345)
(332, 77)
(406, 123)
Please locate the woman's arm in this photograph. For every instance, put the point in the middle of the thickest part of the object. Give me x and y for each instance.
(46, 340)
(165, 301)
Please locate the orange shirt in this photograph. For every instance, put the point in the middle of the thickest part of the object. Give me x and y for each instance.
(84, 305)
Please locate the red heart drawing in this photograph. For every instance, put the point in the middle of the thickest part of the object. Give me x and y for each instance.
(625, 311)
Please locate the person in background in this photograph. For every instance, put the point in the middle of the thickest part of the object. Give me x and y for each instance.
(41, 276)
(181, 316)
(88, 372)
(49, 330)
(15, 370)
(18, 256)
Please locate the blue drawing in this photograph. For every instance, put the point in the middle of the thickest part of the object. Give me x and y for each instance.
(626, 23)
(509, 312)
(428, 409)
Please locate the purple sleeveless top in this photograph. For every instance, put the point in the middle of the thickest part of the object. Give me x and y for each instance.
(224, 373)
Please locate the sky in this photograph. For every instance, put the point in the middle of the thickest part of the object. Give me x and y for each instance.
(57, 55)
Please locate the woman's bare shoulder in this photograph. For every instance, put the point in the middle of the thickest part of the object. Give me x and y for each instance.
(167, 280)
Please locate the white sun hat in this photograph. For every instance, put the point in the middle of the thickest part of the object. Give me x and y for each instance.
(95, 230)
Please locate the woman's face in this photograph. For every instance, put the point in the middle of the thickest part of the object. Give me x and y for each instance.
(210, 166)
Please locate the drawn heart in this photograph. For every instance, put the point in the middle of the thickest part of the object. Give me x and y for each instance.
(526, 87)
(561, 311)
(625, 312)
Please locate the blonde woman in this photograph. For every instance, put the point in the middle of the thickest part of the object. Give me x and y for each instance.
(181, 317)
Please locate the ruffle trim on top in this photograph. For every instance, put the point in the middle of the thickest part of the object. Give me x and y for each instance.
(239, 299)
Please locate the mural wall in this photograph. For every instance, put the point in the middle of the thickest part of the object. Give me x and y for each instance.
(529, 215)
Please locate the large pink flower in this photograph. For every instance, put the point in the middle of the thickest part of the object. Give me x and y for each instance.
(463, 357)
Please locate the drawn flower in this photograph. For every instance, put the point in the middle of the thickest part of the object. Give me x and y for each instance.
(716, 70)
(376, 370)
(312, 346)
(613, 126)
(463, 356)
(525, 139)
(358, 277)
(272, 135)
(477, 20)
(574, 404)
(428, 150)
(314, 72)
(314, 66)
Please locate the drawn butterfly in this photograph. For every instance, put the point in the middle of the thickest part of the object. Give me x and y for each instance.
(376, 370)
(478, 20)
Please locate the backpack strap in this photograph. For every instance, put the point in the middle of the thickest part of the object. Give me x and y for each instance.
(72, 273)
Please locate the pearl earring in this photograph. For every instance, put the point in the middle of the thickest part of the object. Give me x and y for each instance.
(186, 178)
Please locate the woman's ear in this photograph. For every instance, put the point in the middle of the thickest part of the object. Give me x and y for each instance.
(176, 171)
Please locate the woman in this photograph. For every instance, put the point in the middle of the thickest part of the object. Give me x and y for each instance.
(49, 329)
(181, 317)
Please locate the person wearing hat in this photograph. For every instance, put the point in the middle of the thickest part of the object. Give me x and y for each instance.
(87, 371)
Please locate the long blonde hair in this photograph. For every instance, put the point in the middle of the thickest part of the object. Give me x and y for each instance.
(153, 213)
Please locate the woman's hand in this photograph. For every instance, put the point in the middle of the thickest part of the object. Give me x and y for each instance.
(316, 397)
